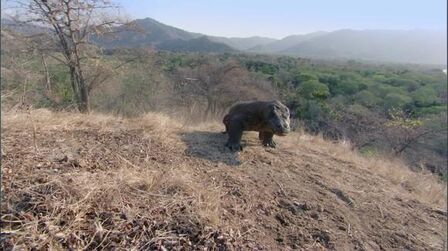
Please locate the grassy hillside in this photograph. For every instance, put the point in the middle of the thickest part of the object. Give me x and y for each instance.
(386, 109)
(72, 181)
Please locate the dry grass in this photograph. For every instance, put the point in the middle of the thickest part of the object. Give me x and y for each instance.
(93, 205)
(422, 185)
(111, 201)
(101, 182)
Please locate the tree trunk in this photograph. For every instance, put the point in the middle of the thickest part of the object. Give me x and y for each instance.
(47, 75)
(83, 105)
(79, 90)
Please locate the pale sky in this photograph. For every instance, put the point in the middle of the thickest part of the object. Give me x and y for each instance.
(280, 18)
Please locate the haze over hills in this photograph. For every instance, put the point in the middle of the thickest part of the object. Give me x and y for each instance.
(413, 46)
(22, 28)
(200, 44)
(278, 46)
(244, 43)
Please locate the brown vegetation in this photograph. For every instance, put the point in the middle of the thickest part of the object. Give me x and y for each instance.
(73, 181)
(217, 85)
(70, 26)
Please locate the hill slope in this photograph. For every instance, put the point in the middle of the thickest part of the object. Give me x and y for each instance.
(72, 181)
(145, 32)
(150, 33)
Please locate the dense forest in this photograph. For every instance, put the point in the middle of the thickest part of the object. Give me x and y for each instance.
(390, 109)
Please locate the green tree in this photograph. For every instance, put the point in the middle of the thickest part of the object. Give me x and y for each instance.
(366, 98)
(313, 89)
(347, 87)
(425, 96)
(395, 100)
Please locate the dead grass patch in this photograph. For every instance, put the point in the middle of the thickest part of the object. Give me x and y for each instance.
(126, 207)
(100, 182)
(422, 185)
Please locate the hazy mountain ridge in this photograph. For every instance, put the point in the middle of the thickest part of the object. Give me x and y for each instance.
(22, 28)
(200, 44)
(243, 43)
(285, 43)
(404, 46)
(414, 46)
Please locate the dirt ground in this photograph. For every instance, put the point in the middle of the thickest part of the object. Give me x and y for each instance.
(91, 182)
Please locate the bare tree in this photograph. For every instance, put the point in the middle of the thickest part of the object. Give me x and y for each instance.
(219, 84)
(363, 127)
(403, 131)
(140, 87)
(73, 23)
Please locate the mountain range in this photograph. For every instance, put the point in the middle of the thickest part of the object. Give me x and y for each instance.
(404, 46)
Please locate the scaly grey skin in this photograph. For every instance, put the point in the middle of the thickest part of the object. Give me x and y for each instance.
(269, 118)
